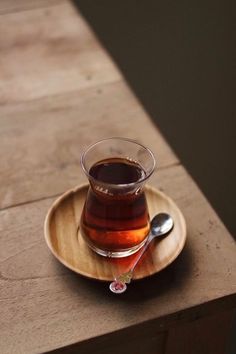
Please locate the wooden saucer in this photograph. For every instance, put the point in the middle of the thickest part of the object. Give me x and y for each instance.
(62, 234)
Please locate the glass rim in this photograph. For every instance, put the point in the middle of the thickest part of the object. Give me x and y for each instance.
(115, 185)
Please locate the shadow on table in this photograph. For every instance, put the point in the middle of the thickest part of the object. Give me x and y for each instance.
(174, 276)
(178, 59)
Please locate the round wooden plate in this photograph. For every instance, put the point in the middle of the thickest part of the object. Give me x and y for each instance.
(62, 234)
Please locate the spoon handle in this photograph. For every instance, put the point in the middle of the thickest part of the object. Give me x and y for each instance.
(144, 248)
(125, 278)
(161, 224)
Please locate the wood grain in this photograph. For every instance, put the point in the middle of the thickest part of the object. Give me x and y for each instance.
(41, 141)
(57, 307)
(7, 6)
(202, 336)
(138, 342)
(47, 51)
(205, 335)
(68, 246)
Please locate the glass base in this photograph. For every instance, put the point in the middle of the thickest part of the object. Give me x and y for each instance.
(115, 253)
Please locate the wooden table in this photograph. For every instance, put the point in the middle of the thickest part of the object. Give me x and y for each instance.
(59, 92)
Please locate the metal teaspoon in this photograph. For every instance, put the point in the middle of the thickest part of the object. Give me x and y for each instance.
(161, 224)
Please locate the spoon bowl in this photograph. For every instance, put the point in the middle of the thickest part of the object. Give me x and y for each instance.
(161, 224)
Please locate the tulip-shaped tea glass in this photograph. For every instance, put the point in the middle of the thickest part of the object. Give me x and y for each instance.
(115, 219)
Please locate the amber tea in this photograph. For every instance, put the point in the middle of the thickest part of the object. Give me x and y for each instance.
(115, 219)
(118, 221)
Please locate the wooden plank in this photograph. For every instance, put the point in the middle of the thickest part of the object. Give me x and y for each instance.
(202, 336)
(45, 306)
(47, 51)
(7, 6)
(149, 342)
(41, 141)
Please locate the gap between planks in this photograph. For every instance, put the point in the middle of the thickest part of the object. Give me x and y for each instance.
(12, 6)
(69, 92)
(58, 194)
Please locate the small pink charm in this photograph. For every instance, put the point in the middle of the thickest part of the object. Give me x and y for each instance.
(118, 287)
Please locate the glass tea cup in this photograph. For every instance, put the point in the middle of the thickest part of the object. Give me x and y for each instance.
(115, 218)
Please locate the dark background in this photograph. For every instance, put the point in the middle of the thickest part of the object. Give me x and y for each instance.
(178, 57)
